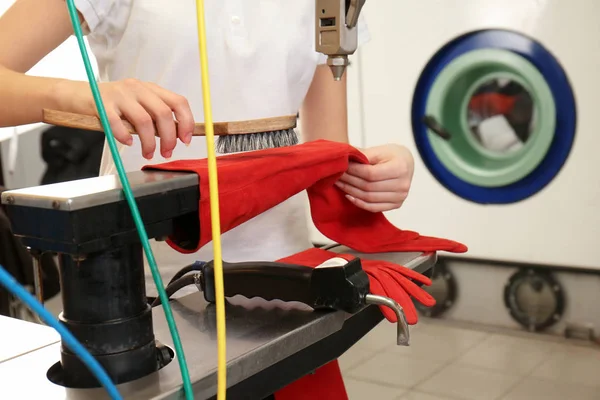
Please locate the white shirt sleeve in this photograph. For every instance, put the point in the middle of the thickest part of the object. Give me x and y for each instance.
(103, 16)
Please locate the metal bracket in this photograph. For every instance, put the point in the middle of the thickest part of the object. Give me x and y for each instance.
(353, 12)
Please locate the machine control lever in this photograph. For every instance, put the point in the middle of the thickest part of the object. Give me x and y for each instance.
(437, 128)
(336, 284)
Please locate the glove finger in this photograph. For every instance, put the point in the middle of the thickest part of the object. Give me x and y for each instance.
(400, 269)
(424, 244)
(397, 293)
(428, 243)
(377, 289)
(411, 288)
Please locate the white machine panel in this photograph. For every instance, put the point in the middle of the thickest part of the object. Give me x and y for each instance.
(557, 225)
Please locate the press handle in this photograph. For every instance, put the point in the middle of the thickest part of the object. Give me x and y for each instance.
(267, 280)
(432, 123)
(336, 284)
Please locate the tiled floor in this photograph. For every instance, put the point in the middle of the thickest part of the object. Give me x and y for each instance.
(450, 362)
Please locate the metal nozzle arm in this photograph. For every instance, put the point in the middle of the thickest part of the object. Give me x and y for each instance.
(353, 13)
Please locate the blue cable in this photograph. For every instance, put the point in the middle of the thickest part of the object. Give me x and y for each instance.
(9, 282)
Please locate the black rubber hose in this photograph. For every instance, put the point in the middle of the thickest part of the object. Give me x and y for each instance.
(197, 266)
(175, 286)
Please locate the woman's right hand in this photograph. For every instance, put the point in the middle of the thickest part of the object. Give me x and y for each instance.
(143, 104)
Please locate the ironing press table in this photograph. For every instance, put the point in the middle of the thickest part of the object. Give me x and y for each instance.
(268, 346)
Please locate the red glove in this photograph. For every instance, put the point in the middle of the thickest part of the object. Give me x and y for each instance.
(251, 183)
(386, 279)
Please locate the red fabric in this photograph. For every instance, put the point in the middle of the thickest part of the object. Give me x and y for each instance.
(251, 183)
(492, 104)
(326, 383)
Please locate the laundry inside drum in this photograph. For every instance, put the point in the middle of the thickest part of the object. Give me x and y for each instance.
(501, 115)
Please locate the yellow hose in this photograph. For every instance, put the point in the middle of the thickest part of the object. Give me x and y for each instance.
(214, 207)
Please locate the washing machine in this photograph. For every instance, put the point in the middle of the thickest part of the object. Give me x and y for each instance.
(498, 101)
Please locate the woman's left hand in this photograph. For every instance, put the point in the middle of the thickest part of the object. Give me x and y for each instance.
(384, 184)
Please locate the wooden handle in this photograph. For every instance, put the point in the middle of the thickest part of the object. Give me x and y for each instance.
(92, 123)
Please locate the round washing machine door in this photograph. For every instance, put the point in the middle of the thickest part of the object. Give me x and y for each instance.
(494, 117)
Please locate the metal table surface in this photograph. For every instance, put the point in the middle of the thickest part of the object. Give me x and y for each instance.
(260, 336)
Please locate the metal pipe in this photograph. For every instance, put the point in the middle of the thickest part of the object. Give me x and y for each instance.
(403, 335)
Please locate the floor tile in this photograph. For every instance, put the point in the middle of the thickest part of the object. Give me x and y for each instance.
(440, 343)
(509, 354)
(390, 369)
(468, 383)
(538, 389)
(380, 337)
(421, 396)
(353, 357)
(359, 390)
(572, 364)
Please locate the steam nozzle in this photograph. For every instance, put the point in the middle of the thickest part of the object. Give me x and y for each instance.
(337, 64)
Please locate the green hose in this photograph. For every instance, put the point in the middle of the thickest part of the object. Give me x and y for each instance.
(131, 201)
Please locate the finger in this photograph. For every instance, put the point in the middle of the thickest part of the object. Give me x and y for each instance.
(374, 173)
(183, 112)
(411, 288)
(144, 126)
(120, 132)
(163, 118)
(409, 273)
(372, 207)
(388, 185)
(372, 197)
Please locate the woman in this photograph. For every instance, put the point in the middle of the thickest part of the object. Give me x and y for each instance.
(262, 63)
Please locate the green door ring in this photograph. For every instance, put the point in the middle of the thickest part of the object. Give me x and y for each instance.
(448, 101)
